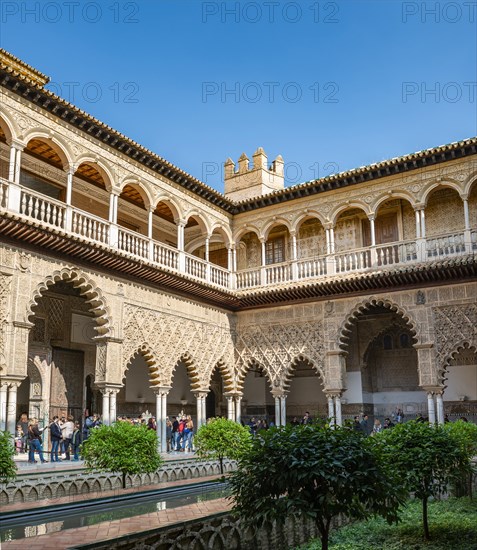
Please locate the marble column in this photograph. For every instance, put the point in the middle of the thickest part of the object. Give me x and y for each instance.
(105, 415)
(331, 409)
(3, 405)
(112, 406)
(277, 411)
(283, 410)
(431, 411)
(238, 409)
(339, 420)
(440, 408)
(12, 407)
(230, 407)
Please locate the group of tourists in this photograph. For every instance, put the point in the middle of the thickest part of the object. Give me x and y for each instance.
(363, 425)
(65, 437)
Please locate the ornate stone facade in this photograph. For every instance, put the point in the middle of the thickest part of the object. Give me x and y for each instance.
(151, 283)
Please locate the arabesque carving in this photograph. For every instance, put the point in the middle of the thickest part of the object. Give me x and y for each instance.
(202, 346)
(276, 348)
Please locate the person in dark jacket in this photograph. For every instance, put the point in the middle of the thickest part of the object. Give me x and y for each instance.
(34, 442)
(56, 436)
(76, 442)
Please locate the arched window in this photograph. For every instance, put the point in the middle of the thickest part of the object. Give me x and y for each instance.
(388, 342)
(404, 340)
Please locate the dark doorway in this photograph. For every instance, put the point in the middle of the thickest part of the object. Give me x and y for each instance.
(210, 405)
(67, 375)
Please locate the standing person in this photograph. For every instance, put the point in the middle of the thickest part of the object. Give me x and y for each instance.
(34, 442)
(76, 441)
(67, 431)
(356, 424)
(168, 435)
(18, 439)
(388, 423)
(182, 435)
(188, 433)
(23, 423)
(377, 426)
(56, 436)
(306, 418)
(175, 434)
(364, 424)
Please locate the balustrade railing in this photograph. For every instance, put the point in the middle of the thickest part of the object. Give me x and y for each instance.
(278, 273)
(313, 267)
(248, 278)
(196, 267)
(89, 226)
(219, 276)
(473, 240)
(43, 209)
(165, 256)
(391, 254)
(353, 260)
(131, 242)
(53, 213)
(445, 245)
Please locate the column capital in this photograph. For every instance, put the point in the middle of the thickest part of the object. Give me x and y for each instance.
(12, 379)
(279, 392)
(180, 222)
(433, 390)
(163, 390)
(18, 145)
(329, 225)
(333, 393)
(106, 387)
(201, 394)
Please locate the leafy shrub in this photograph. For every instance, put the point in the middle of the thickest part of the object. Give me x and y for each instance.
(122, 447)
(8, 469)
(427, 458)
(314, 471)
(220, 438)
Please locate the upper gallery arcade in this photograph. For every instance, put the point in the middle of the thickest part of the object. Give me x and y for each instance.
(82, 205)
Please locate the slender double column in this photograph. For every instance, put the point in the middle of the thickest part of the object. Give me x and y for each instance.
(161, 418)
(280, 409)
(201, 412)
(435, 404)
(109, 403)
(12, 406)
(334, 407)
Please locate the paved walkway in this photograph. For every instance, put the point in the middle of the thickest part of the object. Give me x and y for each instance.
(24, 467)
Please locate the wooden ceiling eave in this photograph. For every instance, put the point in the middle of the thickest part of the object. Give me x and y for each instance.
(96, 256)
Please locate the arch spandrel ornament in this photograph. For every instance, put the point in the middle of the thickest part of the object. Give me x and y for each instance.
(276, 346)
(173, 339)
(344, 331)
(455, 327)
(88, 289)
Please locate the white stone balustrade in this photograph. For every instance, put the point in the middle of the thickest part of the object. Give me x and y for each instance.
(51, 213)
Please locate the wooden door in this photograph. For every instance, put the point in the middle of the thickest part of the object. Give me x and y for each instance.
(67, 382)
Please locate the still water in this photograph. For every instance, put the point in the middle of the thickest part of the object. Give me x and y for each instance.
(62, 518)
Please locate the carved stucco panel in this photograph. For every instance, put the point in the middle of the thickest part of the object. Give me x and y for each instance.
(170, 337)
(453, 325)
(277, 346)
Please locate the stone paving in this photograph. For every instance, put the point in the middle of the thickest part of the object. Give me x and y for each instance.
(116, 528)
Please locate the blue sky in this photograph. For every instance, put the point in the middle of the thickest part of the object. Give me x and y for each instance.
(328, 85)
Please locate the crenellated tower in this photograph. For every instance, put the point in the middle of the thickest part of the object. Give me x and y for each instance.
(260, 179)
